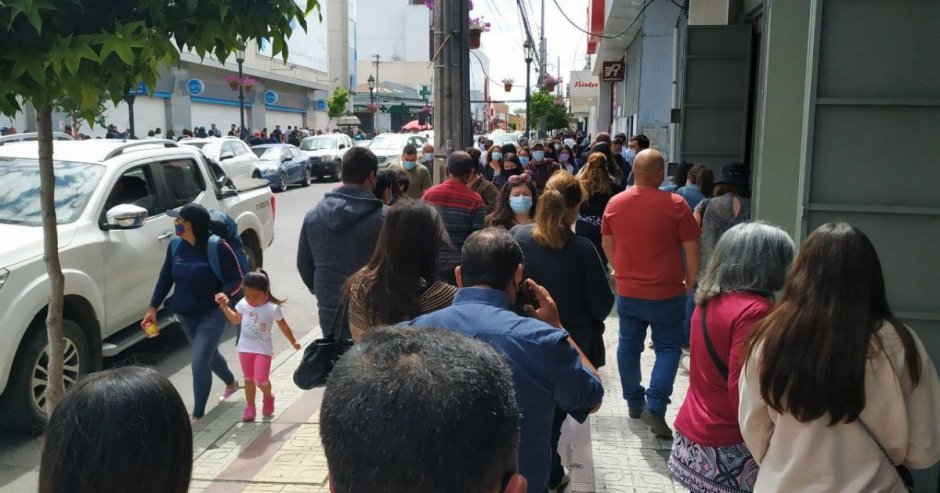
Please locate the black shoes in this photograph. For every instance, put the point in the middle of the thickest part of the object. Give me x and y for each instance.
(657, 424)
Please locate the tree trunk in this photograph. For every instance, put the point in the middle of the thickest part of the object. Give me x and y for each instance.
(56, 347)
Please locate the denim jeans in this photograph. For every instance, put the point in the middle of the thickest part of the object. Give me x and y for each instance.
(687, 321)
(664, 317)
(204, 333)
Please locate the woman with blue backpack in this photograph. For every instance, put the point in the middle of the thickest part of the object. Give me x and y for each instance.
(199, 264)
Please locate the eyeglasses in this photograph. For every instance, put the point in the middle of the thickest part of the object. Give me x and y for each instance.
(520, 178)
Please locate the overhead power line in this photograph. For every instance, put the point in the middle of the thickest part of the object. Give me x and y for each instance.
(602, 35)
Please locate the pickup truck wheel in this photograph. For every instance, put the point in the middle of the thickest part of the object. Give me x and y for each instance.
(307, 177)
(24, 401)
(253, 252)
(282, 182)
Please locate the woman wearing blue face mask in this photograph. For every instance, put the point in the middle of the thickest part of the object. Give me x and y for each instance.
(524, 156)
(569, 267)
(187, 267)
(517, 205)
(494, 163)
(541, 167)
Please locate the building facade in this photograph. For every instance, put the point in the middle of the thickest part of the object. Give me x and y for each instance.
(195, 92)
(834, 106)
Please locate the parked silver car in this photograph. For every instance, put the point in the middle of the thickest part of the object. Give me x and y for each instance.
(233, 155)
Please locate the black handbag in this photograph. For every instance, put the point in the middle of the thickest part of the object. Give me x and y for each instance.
(320, 356)
(318, 360)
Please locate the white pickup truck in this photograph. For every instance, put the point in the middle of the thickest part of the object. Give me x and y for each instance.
(110, 262)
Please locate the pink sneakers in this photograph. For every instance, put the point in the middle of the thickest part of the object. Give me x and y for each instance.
(229, 390)
(267, 408)
(249, 414)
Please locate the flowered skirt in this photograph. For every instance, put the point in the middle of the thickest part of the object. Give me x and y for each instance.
(710, 469)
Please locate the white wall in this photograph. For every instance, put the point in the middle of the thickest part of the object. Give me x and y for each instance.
(393, 29)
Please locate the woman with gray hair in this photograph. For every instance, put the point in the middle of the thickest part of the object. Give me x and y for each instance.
(748, 264)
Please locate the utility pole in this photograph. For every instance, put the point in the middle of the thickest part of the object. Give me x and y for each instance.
(452, 123)
(377, 86)
(543, 52)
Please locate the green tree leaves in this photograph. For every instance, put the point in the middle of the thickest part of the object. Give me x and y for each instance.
(336, 103)
(81, 49)
(542, 104)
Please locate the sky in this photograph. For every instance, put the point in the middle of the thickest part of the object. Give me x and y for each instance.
(503, 43)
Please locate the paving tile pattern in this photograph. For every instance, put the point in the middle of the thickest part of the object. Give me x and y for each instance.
(609, 453)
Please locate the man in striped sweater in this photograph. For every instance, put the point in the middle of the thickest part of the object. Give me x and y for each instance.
(462, 210)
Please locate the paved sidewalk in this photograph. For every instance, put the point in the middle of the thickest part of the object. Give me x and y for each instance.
(609, 453)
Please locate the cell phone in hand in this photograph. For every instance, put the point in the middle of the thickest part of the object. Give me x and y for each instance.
(525, 296)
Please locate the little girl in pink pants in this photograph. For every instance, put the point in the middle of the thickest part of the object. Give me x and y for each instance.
(257, 313)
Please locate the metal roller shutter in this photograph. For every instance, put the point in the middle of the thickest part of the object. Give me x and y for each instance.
(282, 118)
(149, 114)
(223, 115)
(20, 122)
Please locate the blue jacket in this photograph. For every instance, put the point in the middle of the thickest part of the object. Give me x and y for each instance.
(195, 283)
(546, 370)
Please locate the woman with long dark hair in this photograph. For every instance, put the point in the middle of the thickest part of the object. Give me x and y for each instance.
(750, 263)
(511, 165)
(598, 187)
(187, 267)
(118, 430)
(517, 203)
(835, 391)
(400, 280)
(569, 267)
(494, 162)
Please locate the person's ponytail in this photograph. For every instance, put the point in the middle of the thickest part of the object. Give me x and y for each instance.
(562, 193)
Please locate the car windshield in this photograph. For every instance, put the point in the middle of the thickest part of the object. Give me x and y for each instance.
(267, 153)
(500, 139)
(318, 143)
(19, 190)
(389, 142)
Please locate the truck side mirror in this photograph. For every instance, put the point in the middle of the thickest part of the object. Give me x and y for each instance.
(126, 216)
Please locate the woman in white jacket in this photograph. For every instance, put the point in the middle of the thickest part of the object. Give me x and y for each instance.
(835, 392)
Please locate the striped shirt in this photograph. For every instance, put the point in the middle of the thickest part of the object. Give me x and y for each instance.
(436, 296)
(463, 213)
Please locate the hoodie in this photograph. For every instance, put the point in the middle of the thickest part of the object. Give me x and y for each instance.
(336, 240)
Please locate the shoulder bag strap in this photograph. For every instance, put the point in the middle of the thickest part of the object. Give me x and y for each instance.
(722, 367)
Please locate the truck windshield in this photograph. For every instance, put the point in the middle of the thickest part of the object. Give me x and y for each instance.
(318, 143)
(19, 190)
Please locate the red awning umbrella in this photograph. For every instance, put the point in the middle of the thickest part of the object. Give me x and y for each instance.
(415, 125)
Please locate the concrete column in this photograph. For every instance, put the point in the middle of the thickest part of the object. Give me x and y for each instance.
(780, 137)
(258, 116)
(179, 114)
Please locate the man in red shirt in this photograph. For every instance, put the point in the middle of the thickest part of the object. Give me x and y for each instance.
(645, 232)
(461, 209)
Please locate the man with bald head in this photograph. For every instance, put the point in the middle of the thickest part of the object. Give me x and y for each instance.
(645, 232)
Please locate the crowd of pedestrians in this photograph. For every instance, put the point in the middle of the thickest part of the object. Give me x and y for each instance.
(477, 308)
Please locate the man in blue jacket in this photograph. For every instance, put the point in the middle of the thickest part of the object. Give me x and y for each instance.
(547, 366)
(338, 236)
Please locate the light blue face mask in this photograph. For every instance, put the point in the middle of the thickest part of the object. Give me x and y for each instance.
(520, 203)
(523, 160)
(496, 156)
(630, 154)
(409, 164)
(538, 155)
